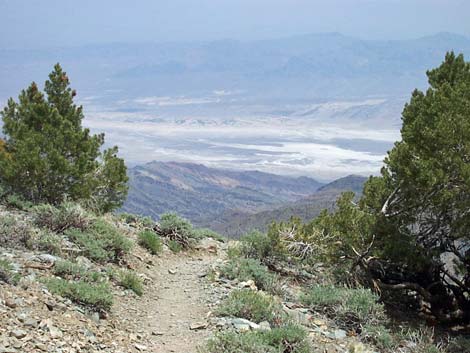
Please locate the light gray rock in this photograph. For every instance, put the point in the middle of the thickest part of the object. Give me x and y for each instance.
(19, 334)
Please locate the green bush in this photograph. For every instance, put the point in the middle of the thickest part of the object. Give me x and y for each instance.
(173, 228)
(349, 307)
(140, 221)
(252, 269)
(170, 222)
(7, 273)
(130, 280)
(14, 233)
(201, 233)
(149, 240)
(259, 246)
(253, 306)
(231, 342)
(286, 339)
(48, 242)
(174, 246)
(58, 219)
(71, 270)
(97, 296)
(101, 242)
(16, 201)
(379, 336)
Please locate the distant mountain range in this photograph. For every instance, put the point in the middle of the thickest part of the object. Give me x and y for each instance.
(228, 201)
(316, 65)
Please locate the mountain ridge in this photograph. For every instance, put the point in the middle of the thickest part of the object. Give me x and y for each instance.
(229, 201)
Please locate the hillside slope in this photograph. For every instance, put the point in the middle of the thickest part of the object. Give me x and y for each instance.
(237, 223)
(198, 192)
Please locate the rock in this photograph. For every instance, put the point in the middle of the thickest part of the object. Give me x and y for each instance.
(7, 350)
(208, 244)
(264, 326)
(243, 325)
(248, 284)
(95, 316)
(10, 303)
(41, 347)
(140, 347)
(55, 332)
(198, 326)
(157, 333)
(30, 322)
(19, 334)
(336, 334)
(84, 262)
(171, 272)
(359, 348)
(45, 258)
(299, 315)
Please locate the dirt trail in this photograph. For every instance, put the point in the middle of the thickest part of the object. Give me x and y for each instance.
(175, 304)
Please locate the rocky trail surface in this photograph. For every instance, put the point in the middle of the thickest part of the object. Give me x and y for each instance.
(173, 314)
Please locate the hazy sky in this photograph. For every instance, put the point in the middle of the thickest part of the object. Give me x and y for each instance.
(39, 23)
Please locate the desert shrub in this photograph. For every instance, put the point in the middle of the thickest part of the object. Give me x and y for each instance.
(151, 241)
(48, 242)
(422, 340)
(15, 233)
(74, 271)
(286, 339)
(252, 269)
(349, 307)
(260, 246)
(252, 305)
(130, 280)
(174, 246)
(170, 222)
(174, 228)
(379, 336)
(139, 221)
(58, 219)
(201, 233)
(18, 202)
(459, 345)
(231, 342)
(101, 242)
(97, 296)
(7, 273)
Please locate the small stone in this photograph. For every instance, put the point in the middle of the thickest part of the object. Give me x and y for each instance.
(84, 262)
(198, 326)
(55, 332)
(140, 347)
(264, 326)
(31, 322)
(336, 334)
(157, 333)
(10, 303)
(41, 347)
(18, 334)
(95, 316)
(171, 272)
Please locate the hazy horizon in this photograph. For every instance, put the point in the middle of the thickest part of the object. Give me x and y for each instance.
(55, 23)
(295, 87)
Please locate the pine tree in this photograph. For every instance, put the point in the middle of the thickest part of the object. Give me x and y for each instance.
(422, 200)
(48, 156)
